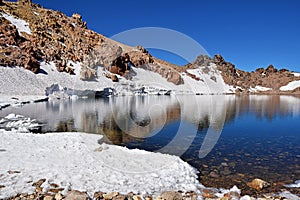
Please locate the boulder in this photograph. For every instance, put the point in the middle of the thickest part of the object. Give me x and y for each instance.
(218, 59)
(32, 65)
(258, 184)
(171, 195)
(76, 195)
(110, 196)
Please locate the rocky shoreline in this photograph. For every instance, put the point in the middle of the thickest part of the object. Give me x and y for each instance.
(55, 192)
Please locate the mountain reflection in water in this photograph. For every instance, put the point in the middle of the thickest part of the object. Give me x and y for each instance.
(230, 139)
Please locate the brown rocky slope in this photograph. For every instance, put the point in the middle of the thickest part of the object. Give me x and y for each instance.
(245, 81)
(58, 38)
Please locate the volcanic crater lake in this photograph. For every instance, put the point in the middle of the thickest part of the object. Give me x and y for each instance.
(229, 139)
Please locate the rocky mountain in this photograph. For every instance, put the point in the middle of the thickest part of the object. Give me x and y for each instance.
(34, 38)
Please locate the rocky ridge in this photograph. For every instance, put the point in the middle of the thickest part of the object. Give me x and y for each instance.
(55, 37)
(270, 78)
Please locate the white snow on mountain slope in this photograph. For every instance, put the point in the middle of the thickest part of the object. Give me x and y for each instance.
(23, 82)
(259, 88)
(191, 86)
(290, 86)
(19, 81)
(77, 161)
(211, 80)
(22, 25)
(296, 74)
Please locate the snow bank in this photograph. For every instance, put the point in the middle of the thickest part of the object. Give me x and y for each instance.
(291, 86)
(259, 88)
(78, 161)
(21, 24)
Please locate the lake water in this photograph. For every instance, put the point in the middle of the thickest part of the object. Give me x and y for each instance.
(230, 139)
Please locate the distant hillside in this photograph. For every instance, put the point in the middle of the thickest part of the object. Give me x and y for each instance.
(33, 37)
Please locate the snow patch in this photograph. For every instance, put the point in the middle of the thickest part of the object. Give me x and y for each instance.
(296, 74)
(21, 24)
(259, 88)
(290, 86)
(78, 161)
(295, 185)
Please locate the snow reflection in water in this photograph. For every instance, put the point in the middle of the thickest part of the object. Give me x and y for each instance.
(246, 137)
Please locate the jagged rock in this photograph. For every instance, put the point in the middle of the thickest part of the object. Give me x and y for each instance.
(258, 184)
(39, 183)
(77, 16)
(260, 70)
(48, 197)
(32, 65)
(142, 49)
(76, 195)
(171, 195)
(58, 196)
(110, 196)
(218, 59)
(25, 2)
(137, 197)
(120, 197)
(203, 60)
(98, 195)
(271, 69)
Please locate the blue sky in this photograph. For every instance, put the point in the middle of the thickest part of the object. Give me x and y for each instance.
(248, 33)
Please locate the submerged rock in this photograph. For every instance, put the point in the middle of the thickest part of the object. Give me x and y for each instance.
(258, 184)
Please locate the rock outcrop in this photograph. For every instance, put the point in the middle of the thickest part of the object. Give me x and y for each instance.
(268, 78)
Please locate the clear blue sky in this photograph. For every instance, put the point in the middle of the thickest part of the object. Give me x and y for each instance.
(248, 33)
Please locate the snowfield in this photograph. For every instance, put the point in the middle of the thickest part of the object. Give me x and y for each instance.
(80, 161)
(291, 86)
